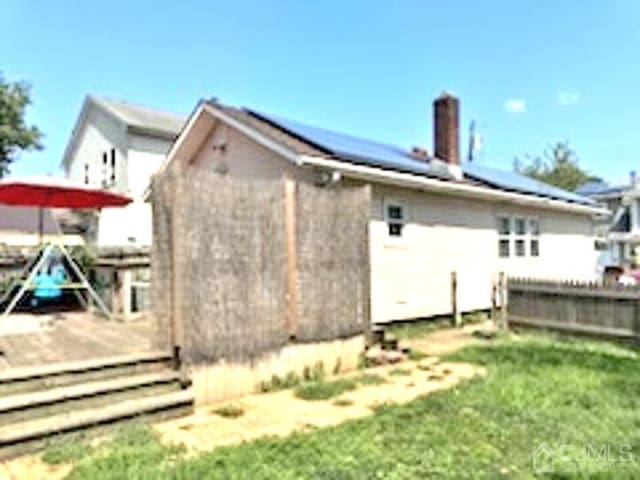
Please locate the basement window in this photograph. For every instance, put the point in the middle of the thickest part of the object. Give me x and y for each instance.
(395, 217)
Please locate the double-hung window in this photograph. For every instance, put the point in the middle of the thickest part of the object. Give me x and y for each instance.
(395, 217)
(518, 236)
(534, 237)
(504, 236)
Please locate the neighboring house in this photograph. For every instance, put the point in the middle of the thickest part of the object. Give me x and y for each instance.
(116, 145)
(430, 214)
(619, 232)
(19, 227)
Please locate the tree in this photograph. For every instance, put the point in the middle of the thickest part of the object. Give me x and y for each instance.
(15, 135)
(558, 166)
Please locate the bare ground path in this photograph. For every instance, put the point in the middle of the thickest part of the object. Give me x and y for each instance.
(282, 413)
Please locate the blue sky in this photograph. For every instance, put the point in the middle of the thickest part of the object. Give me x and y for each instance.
(530, 73)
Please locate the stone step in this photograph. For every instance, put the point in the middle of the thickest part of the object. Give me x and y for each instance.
(25, 406)
(29, 379)
(32, 435)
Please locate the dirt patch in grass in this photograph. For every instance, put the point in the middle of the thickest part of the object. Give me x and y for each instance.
(369, 379)
(342, 402)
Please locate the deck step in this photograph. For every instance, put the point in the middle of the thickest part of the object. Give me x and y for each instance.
(25, 406)
(29, 379)
(24, 437)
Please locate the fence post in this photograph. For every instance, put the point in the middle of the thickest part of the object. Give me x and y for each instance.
(494, 299)
(502, 285)
(457, 320)
(636, 320)
(290, 191)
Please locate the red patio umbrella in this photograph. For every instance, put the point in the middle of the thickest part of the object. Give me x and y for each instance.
(55, 192)
(52, 192)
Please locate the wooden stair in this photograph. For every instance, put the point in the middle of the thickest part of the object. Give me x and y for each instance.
(39, 405)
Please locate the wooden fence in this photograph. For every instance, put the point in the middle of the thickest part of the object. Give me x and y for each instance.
(579, 307)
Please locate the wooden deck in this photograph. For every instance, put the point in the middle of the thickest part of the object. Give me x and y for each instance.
(74, 337)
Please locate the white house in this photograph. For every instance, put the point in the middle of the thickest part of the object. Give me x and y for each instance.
(620, 232)
(117, 145)
(431, 215)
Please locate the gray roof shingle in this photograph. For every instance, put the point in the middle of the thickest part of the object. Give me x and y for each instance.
(143, 119)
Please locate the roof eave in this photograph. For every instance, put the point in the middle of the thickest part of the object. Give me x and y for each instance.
(446, 186)
(152, 132)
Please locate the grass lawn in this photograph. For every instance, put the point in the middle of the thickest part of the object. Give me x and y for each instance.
(537, 390)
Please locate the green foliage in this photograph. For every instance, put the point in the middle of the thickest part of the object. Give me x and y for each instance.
(292, 379)
(536, 390)
(416, 355)
(229, 411)
(321, 390)
(399, 372)
(276, 382)
(15, 135)
(66, 451)
(558, 166)
(417, 329)
(324, 390)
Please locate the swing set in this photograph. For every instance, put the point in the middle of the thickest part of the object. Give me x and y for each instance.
(53, 270)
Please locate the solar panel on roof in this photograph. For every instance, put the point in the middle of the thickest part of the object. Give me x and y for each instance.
(516, 182)
(368, 152)
(358, 150)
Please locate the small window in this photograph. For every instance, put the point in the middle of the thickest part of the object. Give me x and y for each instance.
(535, 247)
(520, 231)
(86, 174)
(105, 163)
(534, 237)
(518, 236)
(534, 226)
(504, 237)
(113, 166)
(503, 247)
(395, 216)
(504, 226)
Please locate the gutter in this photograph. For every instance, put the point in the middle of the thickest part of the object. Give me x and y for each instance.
(374, 174)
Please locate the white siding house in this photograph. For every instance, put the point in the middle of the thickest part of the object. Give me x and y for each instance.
(430, 216)
(119, 146)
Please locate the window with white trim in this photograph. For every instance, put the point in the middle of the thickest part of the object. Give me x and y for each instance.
(504, 236)
(534, 237)
(395, 217)
(518, 236)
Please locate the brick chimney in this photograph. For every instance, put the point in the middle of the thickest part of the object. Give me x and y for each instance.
(446, 136)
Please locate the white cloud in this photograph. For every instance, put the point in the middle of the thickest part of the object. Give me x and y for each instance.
(515, 105)
(568, 98)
